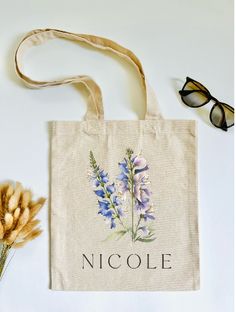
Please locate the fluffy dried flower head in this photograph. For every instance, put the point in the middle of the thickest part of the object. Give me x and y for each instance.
(17, 215)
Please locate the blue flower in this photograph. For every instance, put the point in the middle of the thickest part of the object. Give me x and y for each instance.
(124, 182)
(120, 212)
(111, 188)
(140, 205)
(113, 225)
(116, 201)
(106, 213)
(96, 182)
(103, 176)
(100, 193)
(104, 204)
(144, 229)
(148, 215)
(146, 191)
(122, 177)
(123, 166)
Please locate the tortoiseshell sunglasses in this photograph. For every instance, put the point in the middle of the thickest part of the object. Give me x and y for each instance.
(194, 94)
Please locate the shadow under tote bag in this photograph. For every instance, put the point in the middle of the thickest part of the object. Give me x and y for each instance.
(123, 193)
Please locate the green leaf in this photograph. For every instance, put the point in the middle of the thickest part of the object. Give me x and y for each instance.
(136, 238)
(149, 235)
(146, 240)
(116, 235)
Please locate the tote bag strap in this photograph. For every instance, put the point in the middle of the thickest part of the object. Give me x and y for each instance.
(95, 104)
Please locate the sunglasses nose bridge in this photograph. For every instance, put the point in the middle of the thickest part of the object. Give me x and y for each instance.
(214, 99)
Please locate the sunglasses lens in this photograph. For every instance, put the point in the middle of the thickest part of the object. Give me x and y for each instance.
(195, 95)
(222, 115)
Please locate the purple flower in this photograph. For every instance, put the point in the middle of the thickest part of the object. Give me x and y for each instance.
(140, 164)
(146, 191)
(141, 191)
(135, 181)
(136, 171)
(139, 161)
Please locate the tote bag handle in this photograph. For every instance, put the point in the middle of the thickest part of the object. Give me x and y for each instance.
(95, 104)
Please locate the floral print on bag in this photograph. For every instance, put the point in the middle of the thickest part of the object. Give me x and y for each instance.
(130, 194)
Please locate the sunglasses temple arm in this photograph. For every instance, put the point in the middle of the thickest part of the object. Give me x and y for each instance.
(230, 108)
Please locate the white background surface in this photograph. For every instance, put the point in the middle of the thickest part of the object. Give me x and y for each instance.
(173, 39)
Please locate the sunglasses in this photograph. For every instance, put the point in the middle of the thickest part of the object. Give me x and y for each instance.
(194, 94)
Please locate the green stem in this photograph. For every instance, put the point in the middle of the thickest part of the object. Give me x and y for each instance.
(132, 205)
(135, 234)
(131, 182)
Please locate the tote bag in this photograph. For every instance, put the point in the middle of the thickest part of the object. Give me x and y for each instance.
(123, 194)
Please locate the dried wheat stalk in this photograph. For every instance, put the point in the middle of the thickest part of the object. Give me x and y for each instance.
(17, 218)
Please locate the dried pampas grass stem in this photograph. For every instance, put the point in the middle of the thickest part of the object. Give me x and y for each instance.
(17, 219)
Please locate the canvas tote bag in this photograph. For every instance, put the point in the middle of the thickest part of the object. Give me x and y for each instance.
(123, 199)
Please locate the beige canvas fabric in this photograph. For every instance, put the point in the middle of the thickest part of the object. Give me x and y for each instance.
(123, 193)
